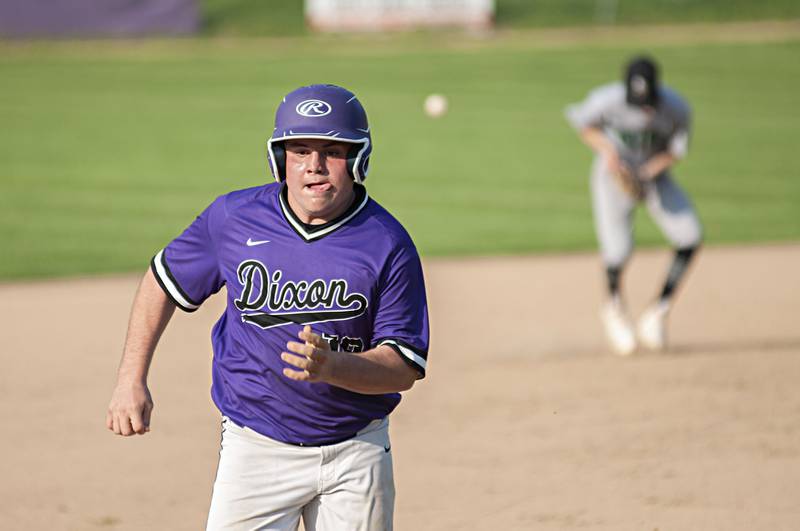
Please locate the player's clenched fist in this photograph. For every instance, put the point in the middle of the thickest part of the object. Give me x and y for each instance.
(315, 359)
(130, 409)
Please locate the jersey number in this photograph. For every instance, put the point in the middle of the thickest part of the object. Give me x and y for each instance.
(344, 344)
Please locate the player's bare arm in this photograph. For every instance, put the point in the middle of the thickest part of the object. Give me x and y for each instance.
(131, 404)
(656, 165)
(597, 140)
(376, 371)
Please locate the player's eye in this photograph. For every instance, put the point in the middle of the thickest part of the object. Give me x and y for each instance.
(297, 149)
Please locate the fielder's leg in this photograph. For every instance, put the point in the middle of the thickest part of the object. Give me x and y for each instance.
(673, 212)
(680, 263)
(613, 220)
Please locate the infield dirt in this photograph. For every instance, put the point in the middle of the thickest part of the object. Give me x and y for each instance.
(524, 422)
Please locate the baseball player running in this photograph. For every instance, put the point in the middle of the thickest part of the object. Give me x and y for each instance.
(638, 129)
(304, 430)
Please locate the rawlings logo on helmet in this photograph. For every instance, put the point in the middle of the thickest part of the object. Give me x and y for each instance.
(313, 108)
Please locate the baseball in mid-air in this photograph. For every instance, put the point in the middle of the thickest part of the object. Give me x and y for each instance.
(435, 105)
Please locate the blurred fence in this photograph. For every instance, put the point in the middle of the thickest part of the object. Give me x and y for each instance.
(80, 18)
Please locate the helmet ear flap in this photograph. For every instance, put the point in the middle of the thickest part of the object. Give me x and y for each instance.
(356, 165)
(279, 155)
(352, 155)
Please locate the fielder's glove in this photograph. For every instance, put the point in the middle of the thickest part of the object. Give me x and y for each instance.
(628, 179)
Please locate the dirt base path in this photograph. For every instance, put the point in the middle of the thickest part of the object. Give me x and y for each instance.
(525, 420)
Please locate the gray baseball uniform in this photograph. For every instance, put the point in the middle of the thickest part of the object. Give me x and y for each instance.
(638, 135)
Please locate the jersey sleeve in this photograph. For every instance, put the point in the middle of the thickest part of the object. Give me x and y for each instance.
(679, 142)
(187, 269)
(401, 320)
(589, 112)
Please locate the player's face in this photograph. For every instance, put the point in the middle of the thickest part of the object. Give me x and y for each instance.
(319, 186)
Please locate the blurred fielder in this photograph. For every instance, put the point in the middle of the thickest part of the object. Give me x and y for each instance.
(638, 129)
(304, 430)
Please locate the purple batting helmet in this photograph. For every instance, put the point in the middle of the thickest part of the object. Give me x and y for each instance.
(321, 111)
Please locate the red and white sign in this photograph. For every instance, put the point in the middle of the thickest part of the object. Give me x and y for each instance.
(379, 15)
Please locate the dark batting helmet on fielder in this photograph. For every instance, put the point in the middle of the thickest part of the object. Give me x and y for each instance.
(641, 82)
(321, 111)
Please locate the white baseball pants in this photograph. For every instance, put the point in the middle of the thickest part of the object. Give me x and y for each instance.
(667, 203)
(265, 484)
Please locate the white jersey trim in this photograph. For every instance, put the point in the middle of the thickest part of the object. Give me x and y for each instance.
(407, 352)
(172, 289)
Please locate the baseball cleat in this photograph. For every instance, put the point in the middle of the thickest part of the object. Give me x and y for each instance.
(652, 327)
(619, 329)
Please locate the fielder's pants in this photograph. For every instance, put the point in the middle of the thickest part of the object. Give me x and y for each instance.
(667, 203)
(265, 484)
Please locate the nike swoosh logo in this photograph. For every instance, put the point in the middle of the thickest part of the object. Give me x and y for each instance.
(251, 242)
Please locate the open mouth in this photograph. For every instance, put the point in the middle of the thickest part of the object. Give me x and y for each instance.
(319, 187)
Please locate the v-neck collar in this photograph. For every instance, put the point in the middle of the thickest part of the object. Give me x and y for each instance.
(315, 232)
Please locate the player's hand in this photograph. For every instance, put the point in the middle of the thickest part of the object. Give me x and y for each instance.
(130, 408)
(315, 359)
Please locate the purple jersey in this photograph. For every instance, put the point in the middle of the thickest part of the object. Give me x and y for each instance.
(356, 280)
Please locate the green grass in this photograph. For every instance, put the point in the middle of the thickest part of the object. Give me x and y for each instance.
(108, 152)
